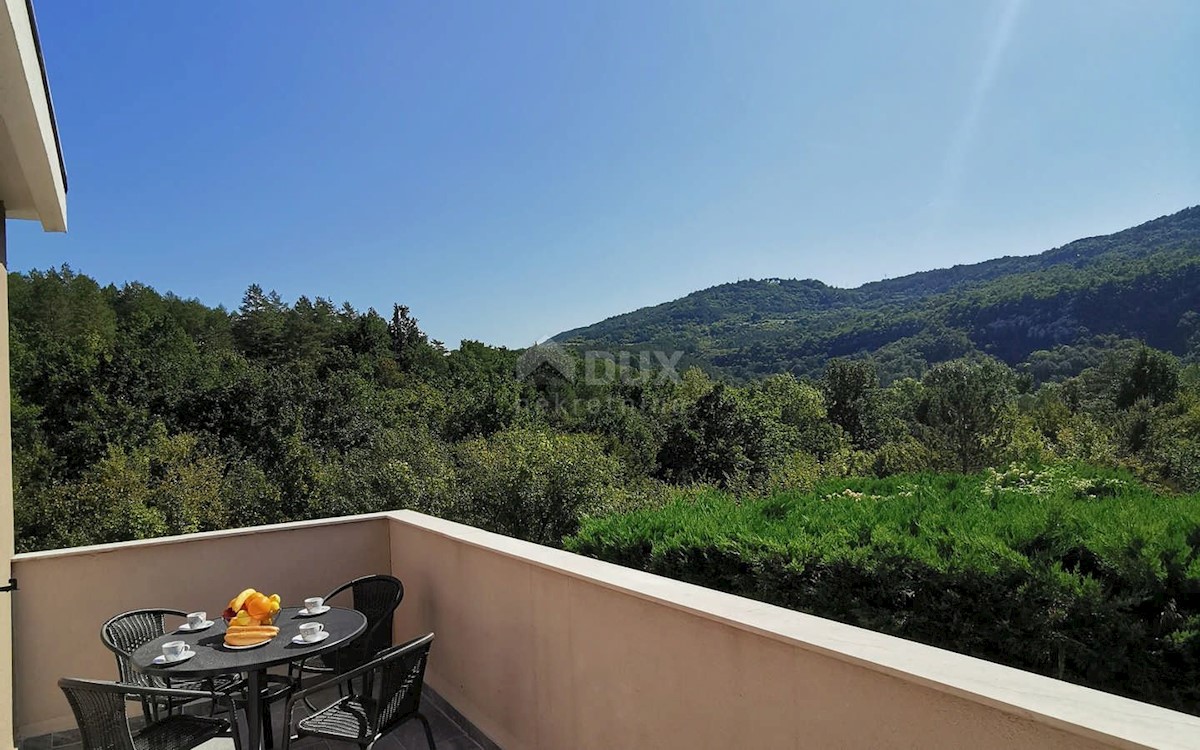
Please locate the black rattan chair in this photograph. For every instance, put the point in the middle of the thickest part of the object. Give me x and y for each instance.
(391, 695)
(100, 712)
(123, 635)
(377, 597)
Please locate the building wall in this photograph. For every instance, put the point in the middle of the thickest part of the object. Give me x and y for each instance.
(6, 499)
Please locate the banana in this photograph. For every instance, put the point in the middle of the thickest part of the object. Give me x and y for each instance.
(240, 599)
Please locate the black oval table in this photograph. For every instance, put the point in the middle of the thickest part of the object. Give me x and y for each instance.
(213, 657)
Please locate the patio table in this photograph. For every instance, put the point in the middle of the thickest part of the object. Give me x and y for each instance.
(213, 657)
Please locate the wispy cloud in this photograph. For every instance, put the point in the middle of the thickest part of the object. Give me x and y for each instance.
(959, 149)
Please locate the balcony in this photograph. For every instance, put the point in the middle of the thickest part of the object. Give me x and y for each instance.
(539, 648)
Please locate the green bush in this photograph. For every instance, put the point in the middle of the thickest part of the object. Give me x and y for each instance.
(534, 484)
(168, 486)
(401, 468)
(718, 440)
(1074, 572)
(903, 456)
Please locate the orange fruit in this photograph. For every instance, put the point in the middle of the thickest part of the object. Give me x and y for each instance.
(258, 605)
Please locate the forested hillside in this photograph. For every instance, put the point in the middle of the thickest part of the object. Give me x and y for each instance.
(1139, 284)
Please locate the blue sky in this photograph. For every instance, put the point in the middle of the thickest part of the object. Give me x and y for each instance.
(511, 170)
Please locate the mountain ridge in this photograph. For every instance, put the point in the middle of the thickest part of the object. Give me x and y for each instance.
(1008, 307)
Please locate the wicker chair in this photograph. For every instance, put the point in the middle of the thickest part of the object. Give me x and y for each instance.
(123, 635)
(377, 597)
(100, 712)
(391, 695)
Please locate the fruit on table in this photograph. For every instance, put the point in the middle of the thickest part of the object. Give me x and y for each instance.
(252, 608)
(240, 599)
(259, 605)
(249, 635)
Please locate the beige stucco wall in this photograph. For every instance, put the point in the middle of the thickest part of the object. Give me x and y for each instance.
(7, 730)
(543, 649)
(65, 596)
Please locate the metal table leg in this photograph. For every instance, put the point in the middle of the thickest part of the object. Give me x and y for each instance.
(254, 709)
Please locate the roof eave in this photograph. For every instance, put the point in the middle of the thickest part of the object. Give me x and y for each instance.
(28, 117)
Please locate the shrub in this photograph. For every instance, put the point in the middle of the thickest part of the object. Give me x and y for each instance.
(717, 440)
(168, 486)
(797, 471)
(903, 456)
(534, 484)
(400, 468)
(1074, 572)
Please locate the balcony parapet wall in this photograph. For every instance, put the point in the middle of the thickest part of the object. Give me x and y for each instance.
(540, 648)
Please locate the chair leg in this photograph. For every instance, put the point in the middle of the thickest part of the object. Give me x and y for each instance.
(211, 686)
(235, 730)
(428, 730)
(268, 736)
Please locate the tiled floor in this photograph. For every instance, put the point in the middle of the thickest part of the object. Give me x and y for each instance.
(447, 733)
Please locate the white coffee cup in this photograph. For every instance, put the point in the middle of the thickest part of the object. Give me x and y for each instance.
(311, 631)
(197, 619)
(173, 650)
(313, 603)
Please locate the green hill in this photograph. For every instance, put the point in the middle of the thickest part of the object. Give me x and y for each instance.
(1141, 283)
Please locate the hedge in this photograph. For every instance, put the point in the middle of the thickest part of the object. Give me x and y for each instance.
(1074, 572)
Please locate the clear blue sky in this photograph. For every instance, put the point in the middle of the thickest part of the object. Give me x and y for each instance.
(512, 169)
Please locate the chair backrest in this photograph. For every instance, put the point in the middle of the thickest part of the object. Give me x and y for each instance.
(397, 681)
(124, 633)
(376, 597)
(100, 713)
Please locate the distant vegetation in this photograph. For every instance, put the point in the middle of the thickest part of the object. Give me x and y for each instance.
(852, 486)
(1141, 284)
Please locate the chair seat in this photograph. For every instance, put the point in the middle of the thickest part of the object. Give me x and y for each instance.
(221, 683)
(318, 662)
(179, 732)
(347, 719)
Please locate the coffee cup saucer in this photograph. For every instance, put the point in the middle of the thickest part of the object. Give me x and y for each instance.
(314, 612)
(187, 627)
(164, 659)
(300, 640)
